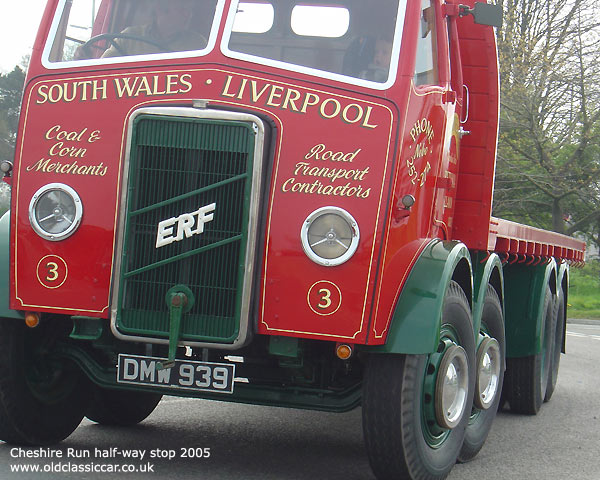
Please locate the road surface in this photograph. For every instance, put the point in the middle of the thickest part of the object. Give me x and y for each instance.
(201, 440)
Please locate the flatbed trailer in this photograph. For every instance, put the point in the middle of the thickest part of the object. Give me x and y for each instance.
(522, 243)
(278, 203)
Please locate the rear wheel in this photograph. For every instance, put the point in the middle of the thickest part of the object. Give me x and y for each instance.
(121, 407)
(489, 367)
(527, 377)
(42, 398)
(557, 345)
(416, 407)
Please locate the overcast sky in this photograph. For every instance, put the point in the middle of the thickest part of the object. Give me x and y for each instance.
(19, 21)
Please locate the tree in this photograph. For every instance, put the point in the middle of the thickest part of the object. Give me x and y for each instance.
(11, 90)
(549, 148)
(4, 198)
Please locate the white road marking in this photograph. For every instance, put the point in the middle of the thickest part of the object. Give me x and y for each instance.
(169, 399)
(583, 335)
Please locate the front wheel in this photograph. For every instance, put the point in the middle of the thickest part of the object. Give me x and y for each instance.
(416, 407)
(42, 398)
(121, 407)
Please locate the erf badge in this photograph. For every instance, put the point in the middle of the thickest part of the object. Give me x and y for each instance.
(188, 224)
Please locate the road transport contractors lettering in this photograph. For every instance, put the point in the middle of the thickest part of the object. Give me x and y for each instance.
(325, 180)
(332, 174)
(287, 98)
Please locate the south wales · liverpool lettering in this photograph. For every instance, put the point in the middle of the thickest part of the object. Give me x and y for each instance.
(287, 98)
(122, 87)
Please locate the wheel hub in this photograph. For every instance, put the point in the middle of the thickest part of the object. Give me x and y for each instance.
(452, 386)
(489, 364)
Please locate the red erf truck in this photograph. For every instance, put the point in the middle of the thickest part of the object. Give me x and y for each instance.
(273, 202)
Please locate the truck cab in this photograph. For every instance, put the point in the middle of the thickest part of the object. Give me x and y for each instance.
(275, 202)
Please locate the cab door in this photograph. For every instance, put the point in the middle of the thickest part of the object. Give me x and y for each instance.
(432, 123)
(426, 170)
(455, 113)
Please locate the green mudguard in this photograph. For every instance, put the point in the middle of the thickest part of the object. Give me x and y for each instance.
(5, 311)
(415, 325)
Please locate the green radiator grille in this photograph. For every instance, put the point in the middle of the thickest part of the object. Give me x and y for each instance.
(177, 166)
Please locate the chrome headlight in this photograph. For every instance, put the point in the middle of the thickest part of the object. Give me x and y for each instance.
(330, 236)
(55, 211)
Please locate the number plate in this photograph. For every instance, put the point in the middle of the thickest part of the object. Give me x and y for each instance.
(188, 375)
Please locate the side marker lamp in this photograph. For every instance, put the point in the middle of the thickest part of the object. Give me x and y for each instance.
(32, 319)
(343, 351)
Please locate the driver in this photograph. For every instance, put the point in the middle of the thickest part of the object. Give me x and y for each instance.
(169, 31)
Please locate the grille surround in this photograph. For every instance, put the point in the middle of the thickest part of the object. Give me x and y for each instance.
(241, 335)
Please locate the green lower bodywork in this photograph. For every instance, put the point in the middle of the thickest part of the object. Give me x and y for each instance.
(415, 327)
(525, 289)
(5, 311)
(417, 316)
(292, 396)
(521, 288)
(487, 269)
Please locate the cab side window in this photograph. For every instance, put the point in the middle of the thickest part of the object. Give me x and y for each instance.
(426, 72)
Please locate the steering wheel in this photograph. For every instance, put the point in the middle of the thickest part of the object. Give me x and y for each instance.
(111, 37)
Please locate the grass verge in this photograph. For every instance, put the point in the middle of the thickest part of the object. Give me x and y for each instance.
(584, 291)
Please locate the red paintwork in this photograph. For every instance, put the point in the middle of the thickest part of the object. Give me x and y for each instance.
(452, 200)
(477, 150)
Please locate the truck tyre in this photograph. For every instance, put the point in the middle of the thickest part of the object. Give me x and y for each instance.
(488, 384)
(416, 407)
(42, 398)
(527, 377)
(120, 407)
(559, 332)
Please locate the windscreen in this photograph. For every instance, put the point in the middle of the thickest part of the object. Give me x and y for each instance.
(348, 38)
(87, 30)
(353, 41)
